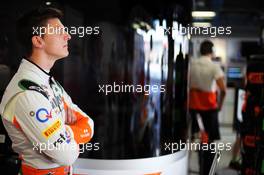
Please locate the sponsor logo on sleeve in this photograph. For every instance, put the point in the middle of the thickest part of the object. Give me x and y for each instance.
(30, 85)
(85, 133)
(43, 115)
(60, 140)
(48, 132)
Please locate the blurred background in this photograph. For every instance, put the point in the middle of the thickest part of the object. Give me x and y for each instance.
(133, 48)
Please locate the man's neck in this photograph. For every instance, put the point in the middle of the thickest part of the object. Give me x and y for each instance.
(42, 61)
(208, 56)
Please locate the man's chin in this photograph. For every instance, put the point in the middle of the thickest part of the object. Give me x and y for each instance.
(62, 56)
(66, 54)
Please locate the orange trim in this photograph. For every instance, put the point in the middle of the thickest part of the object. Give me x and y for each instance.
(81, 129)
(204, 137)
(28, 170)
(201, 100)
(154, 173)
(16, 124)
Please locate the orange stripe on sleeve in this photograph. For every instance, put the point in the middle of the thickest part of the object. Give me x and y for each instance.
(16, 124)
(81, 128)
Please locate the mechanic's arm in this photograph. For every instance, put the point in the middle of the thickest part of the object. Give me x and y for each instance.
(221, 85)
(44, 127)
(81, 124)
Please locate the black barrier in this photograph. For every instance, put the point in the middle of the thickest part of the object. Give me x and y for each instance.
(252, 126)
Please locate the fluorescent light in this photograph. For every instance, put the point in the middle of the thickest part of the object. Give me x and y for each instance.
(201, 24)
(203, 14)
(48, 3)
(135, 25)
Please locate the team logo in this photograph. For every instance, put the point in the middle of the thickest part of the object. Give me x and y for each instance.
(85, 133)
(43, 115)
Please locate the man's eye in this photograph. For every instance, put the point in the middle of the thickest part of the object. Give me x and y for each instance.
(62, 30)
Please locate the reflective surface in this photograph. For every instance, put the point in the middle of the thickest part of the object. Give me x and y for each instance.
(130, 123)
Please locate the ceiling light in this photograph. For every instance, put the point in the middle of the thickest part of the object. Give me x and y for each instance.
(201, 24)
(203, 14)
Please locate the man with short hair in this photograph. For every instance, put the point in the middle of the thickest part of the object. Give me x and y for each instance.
(45, 126)
(205, 77)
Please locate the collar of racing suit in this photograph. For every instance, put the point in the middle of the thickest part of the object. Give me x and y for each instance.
(31, 66)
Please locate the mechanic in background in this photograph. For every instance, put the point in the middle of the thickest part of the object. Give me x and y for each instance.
(205, 77)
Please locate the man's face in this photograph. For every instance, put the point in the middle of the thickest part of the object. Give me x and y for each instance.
(56, 39)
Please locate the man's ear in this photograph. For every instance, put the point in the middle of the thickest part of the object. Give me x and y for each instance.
(37, 41)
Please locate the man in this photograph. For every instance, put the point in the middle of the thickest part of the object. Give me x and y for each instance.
(205, 76)
(45, 126)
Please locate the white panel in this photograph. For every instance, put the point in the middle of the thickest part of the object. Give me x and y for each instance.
(173, 164)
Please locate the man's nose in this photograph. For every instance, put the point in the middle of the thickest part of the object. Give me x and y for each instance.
(67, 36)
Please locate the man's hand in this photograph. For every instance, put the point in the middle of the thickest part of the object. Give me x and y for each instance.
(70, 117)
(221, 85)
(220, 105)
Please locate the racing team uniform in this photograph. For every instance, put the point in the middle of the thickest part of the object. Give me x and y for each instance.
(203, 100)
(33, 111)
